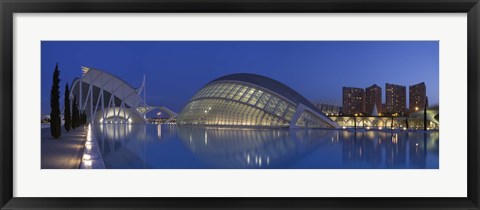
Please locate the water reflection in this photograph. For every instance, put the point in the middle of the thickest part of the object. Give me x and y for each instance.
(126, 145)
(250, 148)
(169, 146)
(390, 150)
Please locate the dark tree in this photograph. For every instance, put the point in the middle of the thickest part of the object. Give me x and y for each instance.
(55, 118)
(425, 115)
(391, 125)
(406, 122)
(81, 118)
(80, 122)
(67, 112)
(84, 118)
(354, 122)
(74, 113)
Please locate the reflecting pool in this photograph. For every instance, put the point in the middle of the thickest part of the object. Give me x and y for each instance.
(151, 146)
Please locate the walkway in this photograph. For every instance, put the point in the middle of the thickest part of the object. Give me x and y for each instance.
(64, 152)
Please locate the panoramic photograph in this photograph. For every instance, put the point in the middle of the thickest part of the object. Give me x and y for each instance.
(240, 105)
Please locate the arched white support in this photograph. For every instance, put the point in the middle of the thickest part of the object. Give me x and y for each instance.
(131, 108)
(302, 108)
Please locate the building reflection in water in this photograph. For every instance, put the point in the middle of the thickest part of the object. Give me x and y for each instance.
(169, 146)
(250, 148)
(126, 145)
(373, 149)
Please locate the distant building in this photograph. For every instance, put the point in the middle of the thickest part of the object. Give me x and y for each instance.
(373, 97)
(396, 99)
(417, 97)
(329, 109)
(353, 100)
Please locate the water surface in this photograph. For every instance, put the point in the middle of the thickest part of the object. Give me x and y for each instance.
(151, 146)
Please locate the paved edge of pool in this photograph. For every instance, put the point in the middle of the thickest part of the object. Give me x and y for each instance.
(92, 157)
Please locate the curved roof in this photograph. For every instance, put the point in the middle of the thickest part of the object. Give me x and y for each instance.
(271, 84)
(113, 85)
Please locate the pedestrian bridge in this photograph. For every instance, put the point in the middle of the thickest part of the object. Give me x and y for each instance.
(172, 115)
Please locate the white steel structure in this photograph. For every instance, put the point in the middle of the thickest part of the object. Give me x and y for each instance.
(106, 98)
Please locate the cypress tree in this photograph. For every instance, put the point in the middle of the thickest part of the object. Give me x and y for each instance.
(406, 122)
(391, 125)
(74, 113)
(80, 118)
(84, 117)
(55, 118)
(67, 112)
(354, 122)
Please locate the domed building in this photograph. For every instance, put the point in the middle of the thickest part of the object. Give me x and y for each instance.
(250, 100)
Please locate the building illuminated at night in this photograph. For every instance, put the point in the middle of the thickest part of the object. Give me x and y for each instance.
(251, 100)
(417, 97)
(353, 100)
(329, 109)
(106, 98)
(396, 98)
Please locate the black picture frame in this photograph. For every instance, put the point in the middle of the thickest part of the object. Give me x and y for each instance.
(9, 7)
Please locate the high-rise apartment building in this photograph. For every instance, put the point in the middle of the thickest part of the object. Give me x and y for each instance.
(373, 97)
(417, 97)
(353, 100)
(396, 99)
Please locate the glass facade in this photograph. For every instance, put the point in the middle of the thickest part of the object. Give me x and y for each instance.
(231, 103)
(309, 120)
(235, 103)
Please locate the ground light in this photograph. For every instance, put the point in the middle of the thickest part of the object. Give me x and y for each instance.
(91, 156)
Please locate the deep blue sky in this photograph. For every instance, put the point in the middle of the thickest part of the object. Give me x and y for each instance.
(175, 70)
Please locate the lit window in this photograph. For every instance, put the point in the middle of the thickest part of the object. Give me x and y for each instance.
(233, 92)
(240, 93)
(247, 95)
(253, 100)
(263, 100)
(271, 104)
(282, 105)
